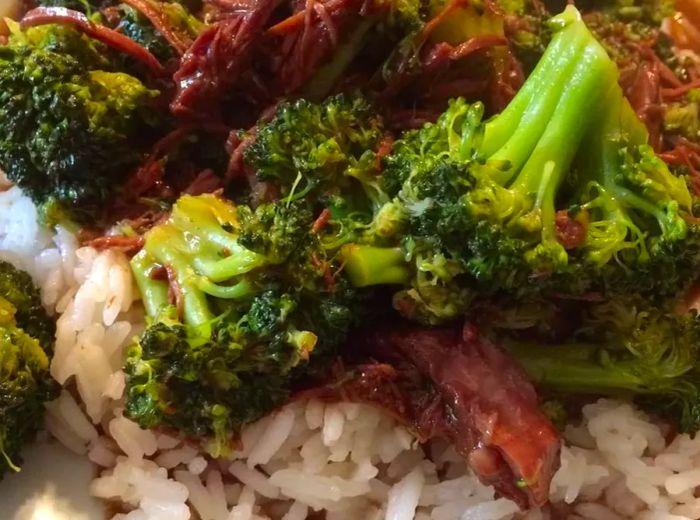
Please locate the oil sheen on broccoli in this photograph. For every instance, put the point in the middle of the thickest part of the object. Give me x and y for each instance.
(70, 119)
(26, 342)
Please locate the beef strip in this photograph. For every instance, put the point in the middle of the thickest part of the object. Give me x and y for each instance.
(463, 388)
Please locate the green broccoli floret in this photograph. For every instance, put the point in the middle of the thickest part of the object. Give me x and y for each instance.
(251, 298)
(26, 341)
(184, 26)
(326, 155)
(73, 127)
(559, 193)
(624, 348)
(327, 147)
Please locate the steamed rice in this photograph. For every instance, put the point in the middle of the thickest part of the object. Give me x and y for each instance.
(348, 460)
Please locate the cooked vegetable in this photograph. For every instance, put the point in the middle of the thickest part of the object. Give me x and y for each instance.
(328, 147)
(252, 298)
(73, 126)
(623, 348)
(558, 193)
(26, 341)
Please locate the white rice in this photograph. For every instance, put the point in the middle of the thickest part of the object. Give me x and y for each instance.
(348, 460)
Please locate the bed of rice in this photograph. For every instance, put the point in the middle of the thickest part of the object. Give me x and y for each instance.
(346, 460)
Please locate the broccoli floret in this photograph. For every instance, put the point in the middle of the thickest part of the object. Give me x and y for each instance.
(558, 193)
(70, 121)
(683, 117)
(17, 287)
(624, 348)
(325, 154)
(327, 147)
(26, 341)
(253, 298)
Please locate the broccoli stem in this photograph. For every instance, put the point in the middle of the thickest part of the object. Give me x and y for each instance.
(154, 293)
(551, 158)
(206, 217)
(539, 113)
(539, 94)
(242, 289)
(579, 368)
(370, 265)
(564, 131)
(240, 261)
(165, 245)
(215, 252)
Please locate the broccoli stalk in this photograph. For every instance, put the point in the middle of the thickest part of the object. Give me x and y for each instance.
(530, 147)
(193, 244)
(625, 348)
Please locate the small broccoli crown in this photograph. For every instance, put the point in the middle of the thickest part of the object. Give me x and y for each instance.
(683, 117)
(428, 173)
(275, 230)
(323, 147)
(253, 300)
(436, 291)
(69, 119)
(26, 339)
(206, 382)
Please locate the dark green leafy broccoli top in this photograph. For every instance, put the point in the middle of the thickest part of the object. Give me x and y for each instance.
(70, 121)
(26, 342)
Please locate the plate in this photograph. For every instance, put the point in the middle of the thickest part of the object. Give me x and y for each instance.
(53, 485)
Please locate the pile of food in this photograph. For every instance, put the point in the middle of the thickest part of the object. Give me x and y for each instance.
(431, 259)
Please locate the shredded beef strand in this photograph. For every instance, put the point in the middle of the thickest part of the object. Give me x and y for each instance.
(686, 153)
(80, 22)
(571, 233)
(670, 94)
(128, 245)
(206, 181)
(150, 174)
(305, 46)
(217, 59)
(644, 94)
